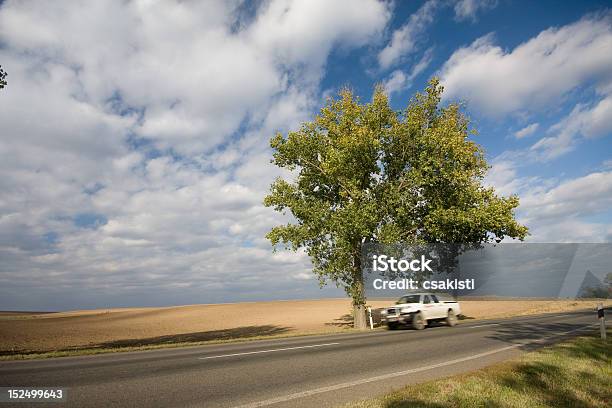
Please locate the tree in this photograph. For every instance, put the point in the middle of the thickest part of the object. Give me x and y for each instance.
(365, 173)
(2, 78)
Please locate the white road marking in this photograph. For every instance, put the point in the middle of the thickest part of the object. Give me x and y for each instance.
(340, 386)
(268, 351)
(484, 325)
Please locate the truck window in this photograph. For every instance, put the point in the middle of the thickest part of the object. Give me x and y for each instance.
(408, 299)
(426, 299)
(435, 299)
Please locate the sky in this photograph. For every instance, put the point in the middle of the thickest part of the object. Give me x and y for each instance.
(134, 150)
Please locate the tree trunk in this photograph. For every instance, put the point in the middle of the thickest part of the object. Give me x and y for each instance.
(360, 320)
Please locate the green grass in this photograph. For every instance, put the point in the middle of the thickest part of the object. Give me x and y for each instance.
(576, 374)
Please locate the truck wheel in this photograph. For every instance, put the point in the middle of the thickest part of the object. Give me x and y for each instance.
(451, 319)
(418, 321)
(392, 326)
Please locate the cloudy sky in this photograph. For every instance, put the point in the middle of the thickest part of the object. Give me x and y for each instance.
(134, 134)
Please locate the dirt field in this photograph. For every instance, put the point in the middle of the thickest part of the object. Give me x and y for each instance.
(27, 332)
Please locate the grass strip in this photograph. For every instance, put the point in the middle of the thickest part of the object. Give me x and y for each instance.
(576, 373)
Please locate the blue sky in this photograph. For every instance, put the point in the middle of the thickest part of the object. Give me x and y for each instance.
(134, 146)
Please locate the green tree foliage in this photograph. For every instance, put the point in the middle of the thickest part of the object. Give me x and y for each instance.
(365, 173)
(2, 78)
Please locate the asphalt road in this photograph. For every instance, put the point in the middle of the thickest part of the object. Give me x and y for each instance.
(299, 372)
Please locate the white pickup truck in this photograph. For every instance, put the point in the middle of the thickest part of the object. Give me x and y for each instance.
(418, 309)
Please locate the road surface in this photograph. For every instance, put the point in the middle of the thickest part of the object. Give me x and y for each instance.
(316, 371)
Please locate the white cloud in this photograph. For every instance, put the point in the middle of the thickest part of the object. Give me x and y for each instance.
(156, 117)
(286, 27)
(564, 212)
(503, 177)
(527, 131)
(469, 9)
(404, 40)
(583, 196)
(496, 81)
(571, 230)
(183, 62)
(581, 122)
(399, 81)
